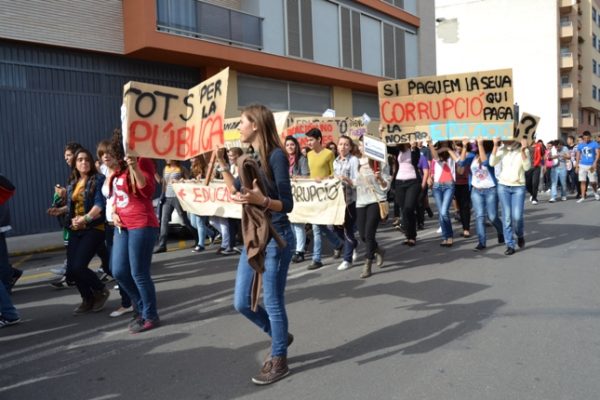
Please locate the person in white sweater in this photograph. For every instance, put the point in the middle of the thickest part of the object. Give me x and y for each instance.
(514, 160)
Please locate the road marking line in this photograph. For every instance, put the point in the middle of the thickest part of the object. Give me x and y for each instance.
(22, 260)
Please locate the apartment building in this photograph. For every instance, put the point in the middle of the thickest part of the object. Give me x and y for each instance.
(63, 65)
(551, 45)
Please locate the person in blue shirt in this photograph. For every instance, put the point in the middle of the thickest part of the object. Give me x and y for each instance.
(588, 154)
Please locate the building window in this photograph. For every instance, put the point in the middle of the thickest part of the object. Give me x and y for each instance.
(351, 44)
(394, 52)
(299, 28)
(365, 103)
(594, 64)
(565, 111)
(594, 92)
(594, 39)
(283, 95)
(594, 13)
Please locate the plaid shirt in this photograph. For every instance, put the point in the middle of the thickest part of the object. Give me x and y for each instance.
(347, 167)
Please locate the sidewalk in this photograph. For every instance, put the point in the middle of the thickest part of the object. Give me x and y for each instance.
(32, 244)
(52, 241)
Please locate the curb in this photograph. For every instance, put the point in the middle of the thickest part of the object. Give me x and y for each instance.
(35, 251)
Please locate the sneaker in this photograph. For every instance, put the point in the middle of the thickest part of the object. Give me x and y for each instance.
(501, 239)
(237, 250)
(8, 322)
(104, 277)
(564, 198)
(534, 202)
(552, 200)
(344, 266)
(121, 311)
(597, 196)
(439, 230)
(521, 242)
(354, 255)
(479, 247)
(429, 212)
(581, 200)
(159, 250)
(59, 271)
(100, 298)
(337, 253)
(298, 257)
(509, 251)
(198, 249)
(273, 370)
(396, 222)
(314, 265)
(60, 283)
(530, 198)
(227, 252)
(140, 325)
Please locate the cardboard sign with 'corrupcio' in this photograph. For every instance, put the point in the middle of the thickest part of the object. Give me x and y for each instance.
(447, 107)
(173, 123)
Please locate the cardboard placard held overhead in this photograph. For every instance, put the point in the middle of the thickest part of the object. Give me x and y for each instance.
(447, 107)
(375, 149)
(173, 123)
(331, 128)
(527, 127)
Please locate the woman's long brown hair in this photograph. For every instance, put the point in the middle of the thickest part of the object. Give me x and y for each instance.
(266, 128)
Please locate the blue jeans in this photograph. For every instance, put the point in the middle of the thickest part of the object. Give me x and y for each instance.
(485, 204)
(300, 236)
(198, 223)
(7, 309)
(512, 199)
(109, 232)
(556, 174)
(346, 232)
(131, 259)
(319, 230)
(443, 193)
(272, 319)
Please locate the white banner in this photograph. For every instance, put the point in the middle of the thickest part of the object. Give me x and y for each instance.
(314, 202)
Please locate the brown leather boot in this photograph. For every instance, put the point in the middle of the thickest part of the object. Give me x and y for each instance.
(100, 298)
(272, 371)
(366, 272)
(85, 306)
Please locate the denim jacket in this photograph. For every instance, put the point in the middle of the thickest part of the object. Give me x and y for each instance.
(90, 200)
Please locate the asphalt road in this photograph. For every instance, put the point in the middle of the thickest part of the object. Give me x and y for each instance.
(435, 323)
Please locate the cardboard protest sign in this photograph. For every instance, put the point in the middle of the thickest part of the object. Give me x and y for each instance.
(232, 131)
(375, 149)
(447, 107)
(212, 200)
(331, 128)
(318, 202)
(527, 127)
(172, 123)
(314, 203)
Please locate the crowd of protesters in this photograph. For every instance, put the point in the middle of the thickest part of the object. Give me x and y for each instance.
(107, 210)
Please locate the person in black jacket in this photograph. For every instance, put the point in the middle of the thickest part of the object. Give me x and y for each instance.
(8, 312)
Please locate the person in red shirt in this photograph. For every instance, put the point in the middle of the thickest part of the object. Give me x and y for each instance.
(532, 177)
(132, 186)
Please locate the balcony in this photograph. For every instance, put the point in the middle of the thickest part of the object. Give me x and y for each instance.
(566, 60)
(567, 120)
(566, 6)
(566, 31)
(196, 19)
(566, 91)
